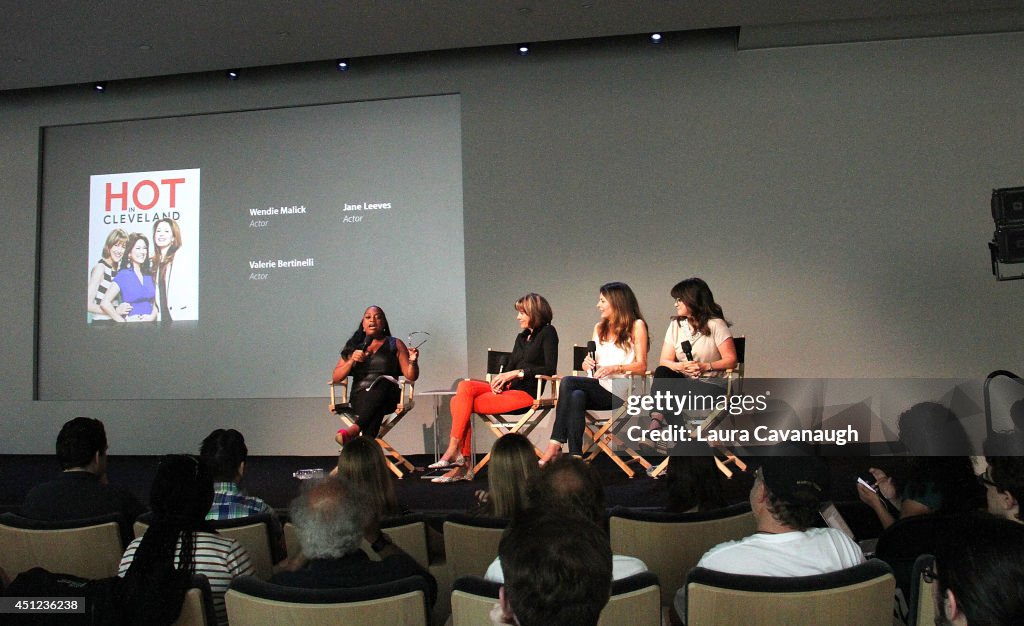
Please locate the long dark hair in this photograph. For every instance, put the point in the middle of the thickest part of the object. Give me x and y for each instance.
(697, 297)
(358, 338)
(625, 313)
(180, 498)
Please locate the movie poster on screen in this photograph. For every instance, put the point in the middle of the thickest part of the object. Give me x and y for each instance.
(143, 247)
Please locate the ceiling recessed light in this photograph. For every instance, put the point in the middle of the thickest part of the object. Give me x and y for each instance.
(523, 49)
(232, 74)
(144, 47)
(656, 38)
(99, 87)
(342, 65)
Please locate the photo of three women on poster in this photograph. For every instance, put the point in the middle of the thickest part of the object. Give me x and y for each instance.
(143, 277)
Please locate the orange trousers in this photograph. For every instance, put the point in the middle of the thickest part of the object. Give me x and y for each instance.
(475, 396)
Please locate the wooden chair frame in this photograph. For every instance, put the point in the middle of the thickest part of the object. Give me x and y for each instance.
(502, 424)
(604, 431)
(340, 405)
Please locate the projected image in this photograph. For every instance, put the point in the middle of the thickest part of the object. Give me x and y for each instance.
(144, 235)
(309, 215)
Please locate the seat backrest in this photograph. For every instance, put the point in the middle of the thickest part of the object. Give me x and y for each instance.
(670, 544)
(253, 532)
(253, 601)
(857, 596)
(496, 361)
(409, 532)
(634, 601)
(471, 543)
(197, 608)
(922, 593)
(579, 353)
(89, 548)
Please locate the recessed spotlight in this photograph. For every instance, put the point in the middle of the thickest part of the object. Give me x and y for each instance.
(342, 65)
(99, 87)
(523, 49)
(232, 74)
(656, 38)
(145, 47)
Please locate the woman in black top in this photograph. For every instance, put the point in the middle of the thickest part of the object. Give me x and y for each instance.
(369, 354)
(511, 391)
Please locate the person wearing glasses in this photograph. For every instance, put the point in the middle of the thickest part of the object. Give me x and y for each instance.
(1004, 484)
(979, 571)
(370, 354)
(535, 352)
(698, 347)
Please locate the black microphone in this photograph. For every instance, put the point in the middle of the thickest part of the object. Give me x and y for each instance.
(687, 350)
(592, 353)
(366, 343)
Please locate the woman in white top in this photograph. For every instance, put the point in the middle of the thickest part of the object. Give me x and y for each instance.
(622, 345)
(698, 345)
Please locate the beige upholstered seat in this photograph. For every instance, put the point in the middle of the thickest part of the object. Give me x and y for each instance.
(857, 596)
(88, 548)
(670, 544)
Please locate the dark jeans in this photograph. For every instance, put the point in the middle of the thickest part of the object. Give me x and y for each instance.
(576, 395)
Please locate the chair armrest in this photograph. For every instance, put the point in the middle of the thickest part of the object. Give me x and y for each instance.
(338, 398)
(552, 388)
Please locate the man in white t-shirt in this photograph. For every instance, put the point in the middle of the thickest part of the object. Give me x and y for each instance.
(785, 499)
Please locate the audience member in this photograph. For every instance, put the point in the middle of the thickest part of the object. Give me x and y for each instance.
(785, 500)
(570, 487)
(81, 491)
(694, 484)
(553, 575)
(362, 462)
(513, 463)
(331, 520)
(179, 543)
(1004, 486)
(980, 573)
(226, 454)
(922, 485)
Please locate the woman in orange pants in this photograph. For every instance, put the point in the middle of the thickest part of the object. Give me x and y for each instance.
(535, 352)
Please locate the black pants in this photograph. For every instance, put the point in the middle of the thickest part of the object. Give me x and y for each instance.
(576, 395)
(371, 405)
(670, 381)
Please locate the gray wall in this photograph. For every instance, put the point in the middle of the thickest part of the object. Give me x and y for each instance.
(835, 198)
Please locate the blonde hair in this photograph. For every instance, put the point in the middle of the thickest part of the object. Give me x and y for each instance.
(513, 464)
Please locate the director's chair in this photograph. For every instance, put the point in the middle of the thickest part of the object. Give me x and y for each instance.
(723, 457)
(524, 420)
(603, 427)
(341, 406)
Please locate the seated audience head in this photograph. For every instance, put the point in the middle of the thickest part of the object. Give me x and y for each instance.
(788, 491)
(330, 518)
(164, 561)
(513, 463)
(944, 484)
(225, 453)
(557, 570)
(1004, 486)
(980, 573)
(694, 484)
(536, 308)
(82, 444)
(361, 462)
(931, 429)
(569, 485)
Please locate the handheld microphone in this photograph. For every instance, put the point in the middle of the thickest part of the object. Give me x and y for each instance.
(592, 352)
(687, 350)
(366, 343)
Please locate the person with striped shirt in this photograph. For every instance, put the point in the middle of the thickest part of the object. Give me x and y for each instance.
(158, 566)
